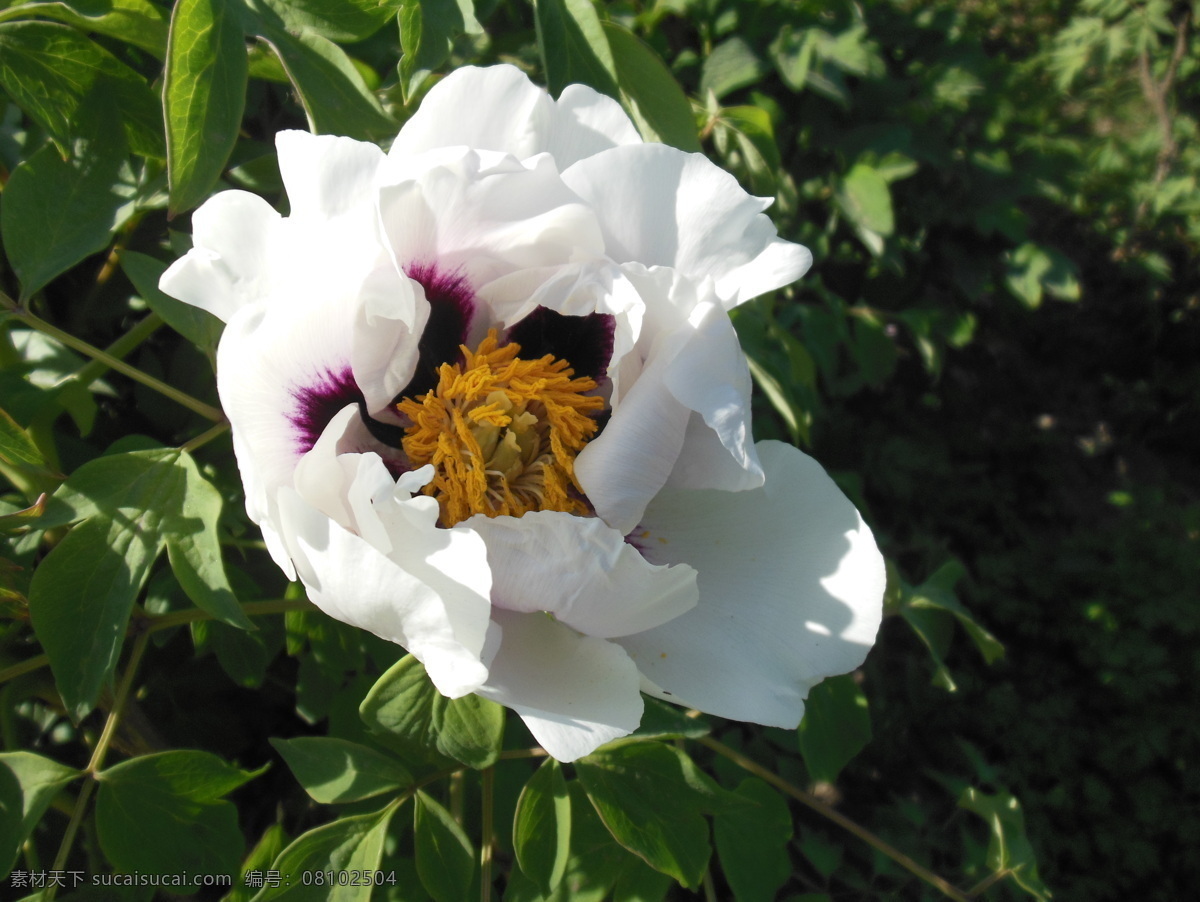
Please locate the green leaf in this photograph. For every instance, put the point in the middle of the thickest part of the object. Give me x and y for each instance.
(137, 22)
(204, 93)
(663, 721)
(1034, 270)
(17, 448)
(57, 75)
(406, 706)
(445, 857)
(427, 32)
(651, 798)
(194, 549)
(864, 198)
(347, 844)
(937, 593)
(542, 827)
(1009, 849)
(131, 504)
(14, 519)
(748, 131)
(265, 851)
(335, 98)
(732, 65)
(105, 561)
(344, 21)
(56, 211)
(836, 727)
(163, 814)
(573, 46)
(28, 784)
(752, 842)
(198, 326)
(655, 101)
(333, 771)
(792, 52)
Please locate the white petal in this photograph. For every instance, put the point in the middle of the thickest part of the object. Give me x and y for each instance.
(511, 115)
(791, 589)
(402, 598)
(232, 234)
(574, 692)
(629, 461)
(710, 376)
(326, 176)
(483, 215)
(661, 206)
(585, 123)
(582, 572)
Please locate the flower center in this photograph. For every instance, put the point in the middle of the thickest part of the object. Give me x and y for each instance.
(501, 432)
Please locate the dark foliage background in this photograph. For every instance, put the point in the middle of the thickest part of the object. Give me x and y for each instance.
(996, 353)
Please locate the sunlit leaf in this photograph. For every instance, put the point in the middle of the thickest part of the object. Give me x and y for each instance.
(406, 706)
(542, 827)
(573, 46)
(204, 93)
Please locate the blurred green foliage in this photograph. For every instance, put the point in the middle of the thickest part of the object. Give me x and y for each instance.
(996, 350)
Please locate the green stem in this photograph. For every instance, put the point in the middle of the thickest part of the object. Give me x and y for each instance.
(98, 755)
(152, 623)
(837, 817)
(487, 839)
(94, 369)
(156, 622)
(23, 667)
(204, 438)
(35, 322)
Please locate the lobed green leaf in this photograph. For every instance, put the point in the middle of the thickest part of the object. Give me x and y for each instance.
(334, 771)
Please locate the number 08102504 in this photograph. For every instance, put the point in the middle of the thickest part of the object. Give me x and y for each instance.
(347, 878)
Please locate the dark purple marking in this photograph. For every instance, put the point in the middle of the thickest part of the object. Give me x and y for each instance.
(451, 308)
(586, 342)
(318, 403)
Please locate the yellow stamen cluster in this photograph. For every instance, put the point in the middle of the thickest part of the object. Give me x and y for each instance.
(501, 432)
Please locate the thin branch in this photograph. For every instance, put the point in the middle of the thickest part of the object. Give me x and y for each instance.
(98, 755)
(205, 437)
(487, 840)
(27, 666)
(155, 622)
(35, 322)
(837, 817)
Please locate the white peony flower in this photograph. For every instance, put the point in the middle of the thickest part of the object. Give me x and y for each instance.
(487, 403)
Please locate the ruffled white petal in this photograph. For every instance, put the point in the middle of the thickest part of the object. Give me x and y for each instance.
(628, 463)
(660, 206)
(574, 692)
(327, 176)
(710, 377)
(400, 577)
(791, 590)
(582, 572)
(508, 113)
(232, 234)
(482, 215)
